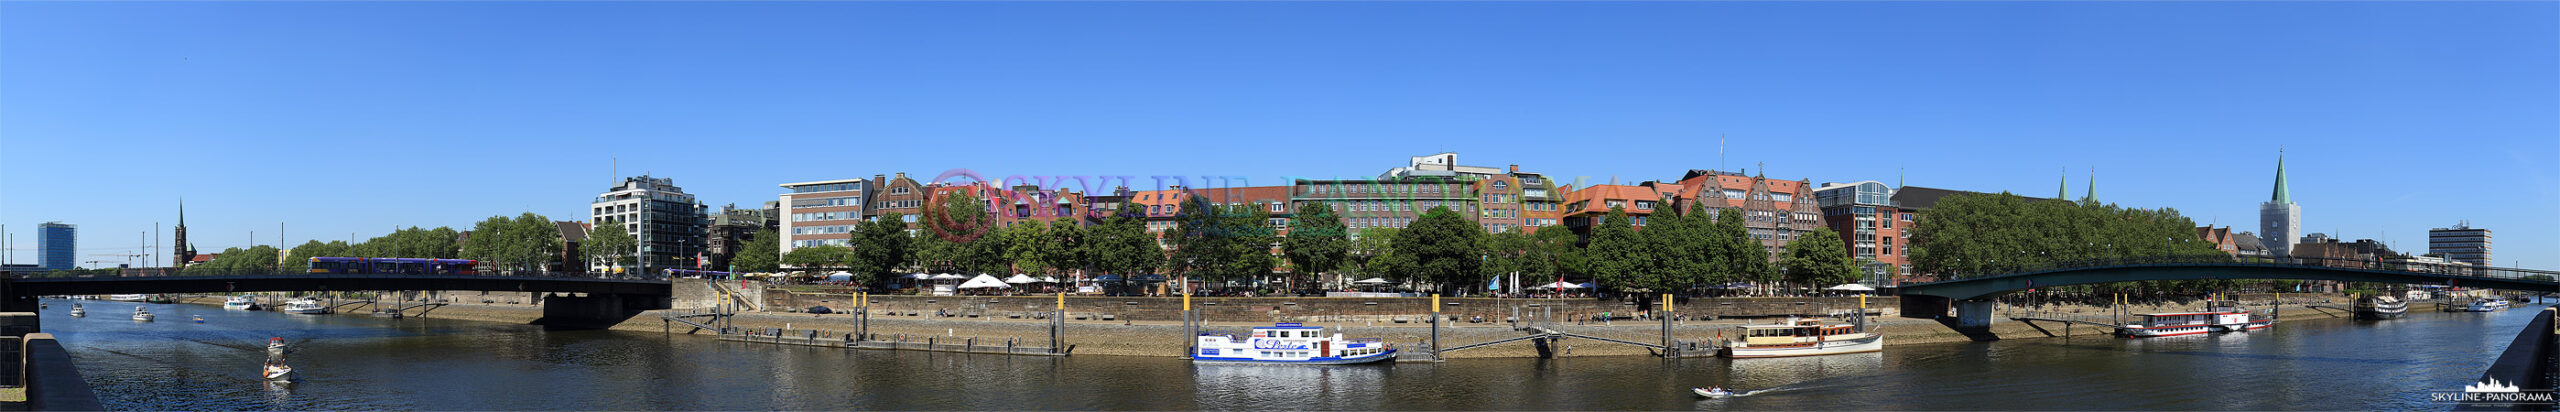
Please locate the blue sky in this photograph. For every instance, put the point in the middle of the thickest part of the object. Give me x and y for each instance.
(340, 117)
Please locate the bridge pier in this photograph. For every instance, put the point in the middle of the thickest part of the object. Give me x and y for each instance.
(1973, 313)
(595, 310)
(1924, 306)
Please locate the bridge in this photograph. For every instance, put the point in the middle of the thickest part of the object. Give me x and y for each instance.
(1973, 310)
(572, 300)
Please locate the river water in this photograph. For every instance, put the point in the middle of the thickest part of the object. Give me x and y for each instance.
(364, 363)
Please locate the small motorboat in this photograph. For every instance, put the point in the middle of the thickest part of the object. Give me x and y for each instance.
(241, 302)
(1712, 393)
(78, 312)
(199, 318)
(278, 372)
(305, 307)
(142, 315)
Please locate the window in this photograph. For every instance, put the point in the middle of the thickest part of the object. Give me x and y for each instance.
(899, 190)
(1497, 184)
(1644, 205)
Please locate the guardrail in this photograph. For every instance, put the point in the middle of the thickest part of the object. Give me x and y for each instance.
(2457, 270)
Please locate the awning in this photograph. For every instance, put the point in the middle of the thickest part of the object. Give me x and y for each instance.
(1150, 278)
(1853, 287)
(1560, 285)
(1048, 279)
(983, 281)
(947, 276)
(1020, 279)
(840, 276)
(920, 276)
(1370, 281)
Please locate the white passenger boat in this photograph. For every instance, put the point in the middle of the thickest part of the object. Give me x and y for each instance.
(1803, 337)
(79, 312)
(1290, 343)
(132, 297)
(2380, 307)
(242, 302)
(143, 315)
(305, 307)
(2189, 323)
(2487, 305)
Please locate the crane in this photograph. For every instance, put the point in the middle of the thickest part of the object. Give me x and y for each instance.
(128, 257)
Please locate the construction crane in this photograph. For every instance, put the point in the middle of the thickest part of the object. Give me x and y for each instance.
(128, 257)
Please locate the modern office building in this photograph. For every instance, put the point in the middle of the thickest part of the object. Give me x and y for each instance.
(2460, 243)
(1510, 200)
(822, 213)
(56, 246)
(667, 223)
(1388, 202)
(2279, 220)
(1865, 216)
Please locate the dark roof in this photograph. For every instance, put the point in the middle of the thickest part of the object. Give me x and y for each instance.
(2246, 241)
(572, 231)
(1920, 198)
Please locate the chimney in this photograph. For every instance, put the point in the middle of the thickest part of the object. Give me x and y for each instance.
(1515, 168)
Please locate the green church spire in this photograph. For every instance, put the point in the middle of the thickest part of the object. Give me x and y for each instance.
(2284, 194)
(2065, 183)
(2090, 194)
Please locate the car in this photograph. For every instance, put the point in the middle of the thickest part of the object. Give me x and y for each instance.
(820, 310)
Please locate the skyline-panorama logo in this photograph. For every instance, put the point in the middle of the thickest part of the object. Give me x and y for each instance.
(2494, 392)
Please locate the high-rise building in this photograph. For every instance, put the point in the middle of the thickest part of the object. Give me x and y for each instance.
(55, 246)
(822, 213)
(2460, 243)
(2279, 220)
(667, 223)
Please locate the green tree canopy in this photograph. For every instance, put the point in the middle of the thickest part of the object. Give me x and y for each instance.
(880, 247)
(818, 257)
(1122, 245)
(1819, 259)
(611, 245)
(1617, 254)
(1441, 247)
(1317, 242)
(762, 253)
(1968, 235)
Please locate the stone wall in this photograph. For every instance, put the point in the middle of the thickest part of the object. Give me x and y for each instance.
(1320, 309)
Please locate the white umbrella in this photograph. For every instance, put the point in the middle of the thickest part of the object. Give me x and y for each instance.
(1371, 281)
(982, 281)
(1561, 285)
(1048, 279)
(920, 276)
(840, 276)
(1020, 279)
(947, 276)
(1853, 287)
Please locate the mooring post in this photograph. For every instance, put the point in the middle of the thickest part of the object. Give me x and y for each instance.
(1191, 321)
(1667, 349)
(1435, 327)
(1057, 323)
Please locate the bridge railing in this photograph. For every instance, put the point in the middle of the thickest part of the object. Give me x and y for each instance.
(166, 272)
(2449, 269)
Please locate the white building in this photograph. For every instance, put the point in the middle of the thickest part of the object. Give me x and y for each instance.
(822, 213)
(667, 224)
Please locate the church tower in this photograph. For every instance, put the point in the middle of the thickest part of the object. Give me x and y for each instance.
(182, 252)
(2279, 220)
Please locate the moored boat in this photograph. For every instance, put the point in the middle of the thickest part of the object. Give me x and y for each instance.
(130, 297)
(142, 315)
(79, 312)
(2487, 305)
(1803, 337)
(305, 307)
(2380, 307)
(241, 302)
(1290, 343)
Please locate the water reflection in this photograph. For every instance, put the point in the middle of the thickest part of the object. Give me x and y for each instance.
(1276, 385)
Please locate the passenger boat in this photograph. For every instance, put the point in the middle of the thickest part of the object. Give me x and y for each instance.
(2247, 321)
(79, 312)
(143, 315)
(1803, 337)
(242, 302)
(2487, 305)
(278, 372)
(305, 307)
(2380, 307)
(1290, 343)
(2189, 323)
(131, 297)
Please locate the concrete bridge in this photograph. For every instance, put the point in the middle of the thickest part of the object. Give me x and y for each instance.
(1970, 297)
(570, 300)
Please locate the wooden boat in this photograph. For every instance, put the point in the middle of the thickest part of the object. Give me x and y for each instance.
(1803, 337)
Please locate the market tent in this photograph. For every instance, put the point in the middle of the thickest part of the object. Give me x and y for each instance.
(1020, 279)
(920, 276)
(982, 281)
(840, 276)
(1853, 287)
(1370, 281)
(1048, 279)
(947, 276)
(1560, 285)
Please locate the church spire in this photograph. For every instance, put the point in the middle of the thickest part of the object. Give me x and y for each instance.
(2089, 194)
(2284, 194)
(2064, 182)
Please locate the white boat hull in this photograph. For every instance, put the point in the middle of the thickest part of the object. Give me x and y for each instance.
(2487, 307)
(1389, 355)
(1830, 347)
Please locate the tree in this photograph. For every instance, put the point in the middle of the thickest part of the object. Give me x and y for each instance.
(1199, 243)
(762, 253)
(1817, 259)
(256, 259)
(816, 257)
(1554, 251)
(1506, 254)
(1317, 242)
(960, 236)
(611, 245)
(1252, 239)
(880, 247)
(1617, 254)
(1374, 250)
(1064, 247)
(535, 239)
(1441, 247)
(1743, 258)
(1968, 235)
(1123, 246)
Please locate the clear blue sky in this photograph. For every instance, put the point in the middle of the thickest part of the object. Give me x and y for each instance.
(339, 117)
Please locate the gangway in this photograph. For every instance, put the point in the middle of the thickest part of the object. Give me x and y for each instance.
(2067, 323)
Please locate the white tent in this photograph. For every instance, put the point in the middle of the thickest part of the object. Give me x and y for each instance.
(1048, 279)
(1853, 287)
(920, 276)
(840, 276)
(1370, 281)
(947, 276)
(982, 281)
(1560, 285)
(1020, 279)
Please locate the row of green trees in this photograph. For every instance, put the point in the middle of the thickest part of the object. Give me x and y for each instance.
(957, 235)
(522, 243)
(1970, 235)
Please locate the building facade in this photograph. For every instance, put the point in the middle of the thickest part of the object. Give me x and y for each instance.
(1775, 211)
(733, 227)
(822, 213)
(901, 195)
(1865, 216)
(667, 223)
(1586, 208)
(2460, 243)
(1390, 202)
(2279, 220)
(57, 246)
